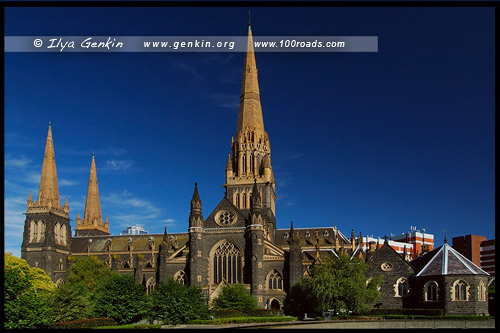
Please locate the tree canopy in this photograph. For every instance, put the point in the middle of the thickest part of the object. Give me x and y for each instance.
(174, 303)
(118, 297)
(339, 284)
(27, 293)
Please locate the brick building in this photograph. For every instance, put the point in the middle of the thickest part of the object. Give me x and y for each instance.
(477, 249)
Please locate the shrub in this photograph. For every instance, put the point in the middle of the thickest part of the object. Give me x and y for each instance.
(235, 297)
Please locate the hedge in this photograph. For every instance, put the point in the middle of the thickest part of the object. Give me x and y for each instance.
(242, 320)
(247, 313)
(132, 326)
(408, 312)
(83, 323)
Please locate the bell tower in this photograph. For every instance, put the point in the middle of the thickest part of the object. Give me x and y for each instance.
(250, 159)
(47, 231)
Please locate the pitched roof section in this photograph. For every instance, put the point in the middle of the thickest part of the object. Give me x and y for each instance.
(48, 194)
(446, 260)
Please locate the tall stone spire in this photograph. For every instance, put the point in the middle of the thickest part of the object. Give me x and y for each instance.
(250, 110)
(92, 217)
(250, 158)
(48, 194)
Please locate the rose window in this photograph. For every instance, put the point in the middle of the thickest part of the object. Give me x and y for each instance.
(225, 217)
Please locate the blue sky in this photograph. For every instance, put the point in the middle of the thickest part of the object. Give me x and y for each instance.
(375, 142)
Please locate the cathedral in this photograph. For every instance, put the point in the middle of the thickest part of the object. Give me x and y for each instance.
(237, 242)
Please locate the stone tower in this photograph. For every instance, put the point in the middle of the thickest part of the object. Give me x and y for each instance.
(197, 264)
(250, 157)
(47, 231)
(91, 224)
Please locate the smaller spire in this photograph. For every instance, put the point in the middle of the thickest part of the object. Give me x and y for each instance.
(30, 201)
(196, 195)
(445, 239)
(249, 19)
(66, 207)
(229, 164)
(385, 239)
(255, 198)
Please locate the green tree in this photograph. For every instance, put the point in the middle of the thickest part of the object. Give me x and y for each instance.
(174, 303)
(299, 300)
(69, 303)
(118, 297)
(235, 297)
(72, 301)
(25, 305)
(340, 284)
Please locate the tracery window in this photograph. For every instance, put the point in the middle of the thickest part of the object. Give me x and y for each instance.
(244, 200)
(244, 163)
(63, 234)
(33, 231)
(227, 263)
(431, 291)
(237, 200)
(150, 285)
(460, 291)
(402, 287)
(481, 291)
(275, 281)
(180, 277)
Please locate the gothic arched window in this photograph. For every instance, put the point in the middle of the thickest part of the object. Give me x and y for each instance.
(63, 234)
(227, 263)
(150, 285)
(244, 200)
(275, 281)
(237, 200)
(460, 291)
(481, 291)
(244, 165)
(40, 231)
(33, 231)
(251, 162)
(431, 291)
(180, 277)
(402, 288)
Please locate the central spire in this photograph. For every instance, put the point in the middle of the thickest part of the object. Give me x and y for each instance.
(249, 163)
(250, 110)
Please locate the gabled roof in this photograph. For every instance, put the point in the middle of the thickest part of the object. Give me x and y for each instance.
(446, 260)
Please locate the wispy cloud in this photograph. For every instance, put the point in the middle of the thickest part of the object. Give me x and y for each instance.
(230, 101)
(109, 150)
(116, 165)
(21, 162)
(67, 182)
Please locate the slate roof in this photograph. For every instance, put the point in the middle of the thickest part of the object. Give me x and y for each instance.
(307, 236)
(445, 260)
(120, 243)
